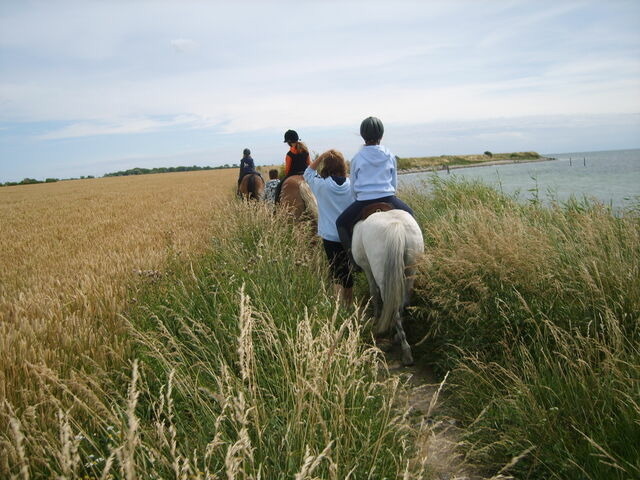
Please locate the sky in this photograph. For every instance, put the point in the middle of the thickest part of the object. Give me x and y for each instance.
(92, 87)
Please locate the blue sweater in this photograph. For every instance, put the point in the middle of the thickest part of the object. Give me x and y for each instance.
(332, 199)
(247, 166)
(373, 173)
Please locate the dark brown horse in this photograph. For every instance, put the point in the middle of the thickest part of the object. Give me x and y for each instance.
(251, 187)
(297, 197)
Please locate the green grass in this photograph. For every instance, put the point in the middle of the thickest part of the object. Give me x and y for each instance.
(536, 310)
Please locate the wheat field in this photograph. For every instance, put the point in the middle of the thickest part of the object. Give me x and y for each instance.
(68, 252)
(138, 343)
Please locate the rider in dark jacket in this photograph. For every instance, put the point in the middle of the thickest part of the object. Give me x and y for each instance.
(246, 164)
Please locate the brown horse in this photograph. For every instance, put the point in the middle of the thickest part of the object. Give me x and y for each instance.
(297, 197)
(251, 187)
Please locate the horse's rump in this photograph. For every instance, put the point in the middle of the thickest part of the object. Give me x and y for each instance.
(251, 186)
(386, 245)
(296, 196)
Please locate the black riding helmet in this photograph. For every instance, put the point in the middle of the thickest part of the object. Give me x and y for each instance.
(371, 129)
(291, 136)
(246, 152)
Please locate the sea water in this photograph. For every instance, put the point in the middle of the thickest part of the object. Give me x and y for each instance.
(609, 177)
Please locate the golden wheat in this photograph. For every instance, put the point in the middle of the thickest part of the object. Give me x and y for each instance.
(68, 251)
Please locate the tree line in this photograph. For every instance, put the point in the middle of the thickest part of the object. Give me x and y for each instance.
(122, 173)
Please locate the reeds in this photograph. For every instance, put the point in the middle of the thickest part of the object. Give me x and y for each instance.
(536, 310)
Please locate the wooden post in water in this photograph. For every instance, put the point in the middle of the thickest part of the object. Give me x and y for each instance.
(584, 159)
(569, 161)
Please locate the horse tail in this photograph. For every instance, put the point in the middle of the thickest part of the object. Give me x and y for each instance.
(393, 292)
(310, 202)
(251, 187)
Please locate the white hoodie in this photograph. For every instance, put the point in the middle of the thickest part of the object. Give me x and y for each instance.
(373, 173)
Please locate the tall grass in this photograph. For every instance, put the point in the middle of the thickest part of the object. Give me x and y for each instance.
(537, 312)
(243, 367)
(235, 362)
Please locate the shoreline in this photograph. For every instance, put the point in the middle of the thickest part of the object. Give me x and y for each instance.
(444, 167)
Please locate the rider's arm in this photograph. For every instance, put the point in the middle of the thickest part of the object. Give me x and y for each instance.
(314, 165)
(394, 177)
(394, 172)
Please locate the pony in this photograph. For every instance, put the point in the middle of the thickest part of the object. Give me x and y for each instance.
(387, 245)
(251, 187)
(298, 198)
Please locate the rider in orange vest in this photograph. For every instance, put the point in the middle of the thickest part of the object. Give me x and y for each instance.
(296, 160)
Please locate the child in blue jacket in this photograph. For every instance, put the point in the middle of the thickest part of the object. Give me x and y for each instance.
(373, 179)
(332, 190)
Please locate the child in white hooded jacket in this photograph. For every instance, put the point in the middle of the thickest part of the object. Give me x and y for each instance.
(373, 179)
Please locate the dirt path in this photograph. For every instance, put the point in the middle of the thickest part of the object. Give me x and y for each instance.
(438, 435)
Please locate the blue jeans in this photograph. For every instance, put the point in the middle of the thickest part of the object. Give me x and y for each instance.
(347, 219)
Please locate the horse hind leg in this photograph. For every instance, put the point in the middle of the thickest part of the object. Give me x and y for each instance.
(377, 303)
(375, 294)
(410, 275)
(407, 358)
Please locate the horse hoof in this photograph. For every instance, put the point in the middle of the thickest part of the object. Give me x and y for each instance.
(407, 358)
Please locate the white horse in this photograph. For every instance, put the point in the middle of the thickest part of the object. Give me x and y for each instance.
(386, 245)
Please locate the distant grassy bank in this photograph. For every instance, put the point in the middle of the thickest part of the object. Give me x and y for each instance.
(444, 161)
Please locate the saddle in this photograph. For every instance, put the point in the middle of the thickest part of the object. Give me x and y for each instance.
(373, 208)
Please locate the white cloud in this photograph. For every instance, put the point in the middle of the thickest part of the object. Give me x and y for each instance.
(188, 103)
(124, 126)
(182, 45)
(103, 68)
